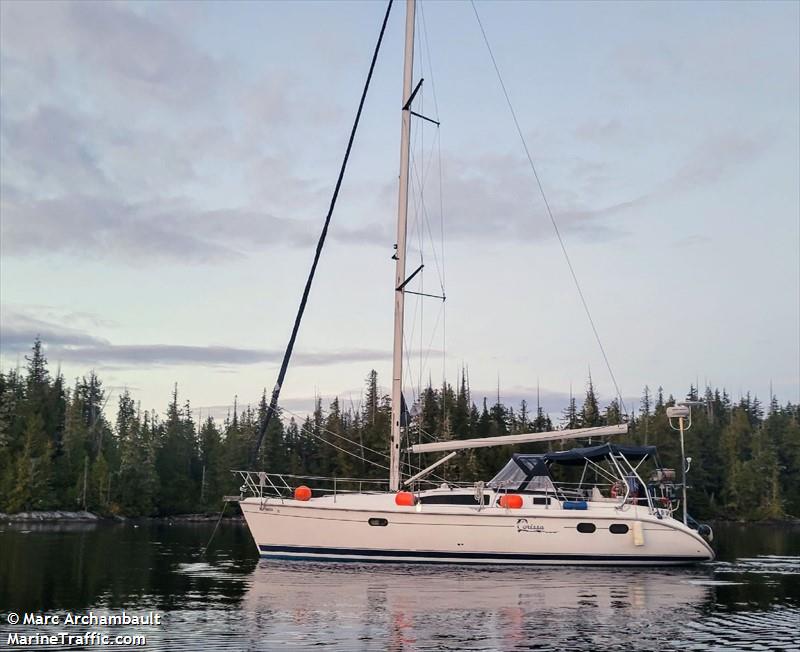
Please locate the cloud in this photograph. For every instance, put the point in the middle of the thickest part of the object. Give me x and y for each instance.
(48, 144)
(647, 63)
(496, 198)
(124, 141)
(69, 344)
(104, 353)
(693, 240)
(596, 131)
(734, 51)
(18, 332)
(717, 156)
(168, 230)
(126, 53)
(491, 198)
(178, 157)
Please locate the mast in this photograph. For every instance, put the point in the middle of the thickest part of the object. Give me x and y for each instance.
(400, 254)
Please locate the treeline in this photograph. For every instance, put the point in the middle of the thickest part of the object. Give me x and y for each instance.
(58, 450)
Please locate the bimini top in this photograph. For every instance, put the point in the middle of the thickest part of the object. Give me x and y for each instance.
(526, 472)
(580, 455)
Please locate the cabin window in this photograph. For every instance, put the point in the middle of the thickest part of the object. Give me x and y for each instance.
(618, 528)
(586, 528)
(452, 499)
(382, 522)
(541, 500)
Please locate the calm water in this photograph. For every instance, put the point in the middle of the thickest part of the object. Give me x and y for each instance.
(748, 599)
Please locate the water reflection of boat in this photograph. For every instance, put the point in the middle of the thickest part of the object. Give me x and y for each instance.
(499, 607)
(355, 588)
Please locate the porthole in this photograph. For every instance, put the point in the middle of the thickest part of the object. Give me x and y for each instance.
(618, 528)
(586, 528)
(541, 500)
(378, 522)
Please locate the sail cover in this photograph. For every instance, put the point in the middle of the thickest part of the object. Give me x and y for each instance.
(524, 438)
(524, 473)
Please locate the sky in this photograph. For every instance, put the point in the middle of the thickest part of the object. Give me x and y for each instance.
(165, 170)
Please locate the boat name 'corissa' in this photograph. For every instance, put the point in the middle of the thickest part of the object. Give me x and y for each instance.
(524, 526)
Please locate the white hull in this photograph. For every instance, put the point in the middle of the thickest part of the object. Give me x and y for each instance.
(339, 528)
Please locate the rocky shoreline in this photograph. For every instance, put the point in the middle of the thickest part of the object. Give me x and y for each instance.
(89, 517)
(56, 515)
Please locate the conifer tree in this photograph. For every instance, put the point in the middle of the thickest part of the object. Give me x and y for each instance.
(645, 413)
(570, 419)
(590, 412)
(11, 432)
(136, 482)
(216, 481)
(461, 412)
(32, 489)
(613, 414)
(177, 461)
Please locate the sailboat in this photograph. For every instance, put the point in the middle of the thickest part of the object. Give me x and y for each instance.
(613, 515)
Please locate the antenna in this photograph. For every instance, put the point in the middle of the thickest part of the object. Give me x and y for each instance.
(683, 413)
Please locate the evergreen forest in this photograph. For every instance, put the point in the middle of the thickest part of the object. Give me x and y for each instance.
(60, 449)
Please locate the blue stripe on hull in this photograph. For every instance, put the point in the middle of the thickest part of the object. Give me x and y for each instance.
(367, 554)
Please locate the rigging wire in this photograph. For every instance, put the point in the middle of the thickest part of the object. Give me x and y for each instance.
(304, 428)
(443, 278)
(419, 230)
(273, 405)
(429, 348)
(549, 211)
(441, 202)
(421, 166)
(336, 434)
(308, 431)
(424, 210)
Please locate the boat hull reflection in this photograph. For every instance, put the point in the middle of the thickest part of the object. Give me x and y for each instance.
(499, 606)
